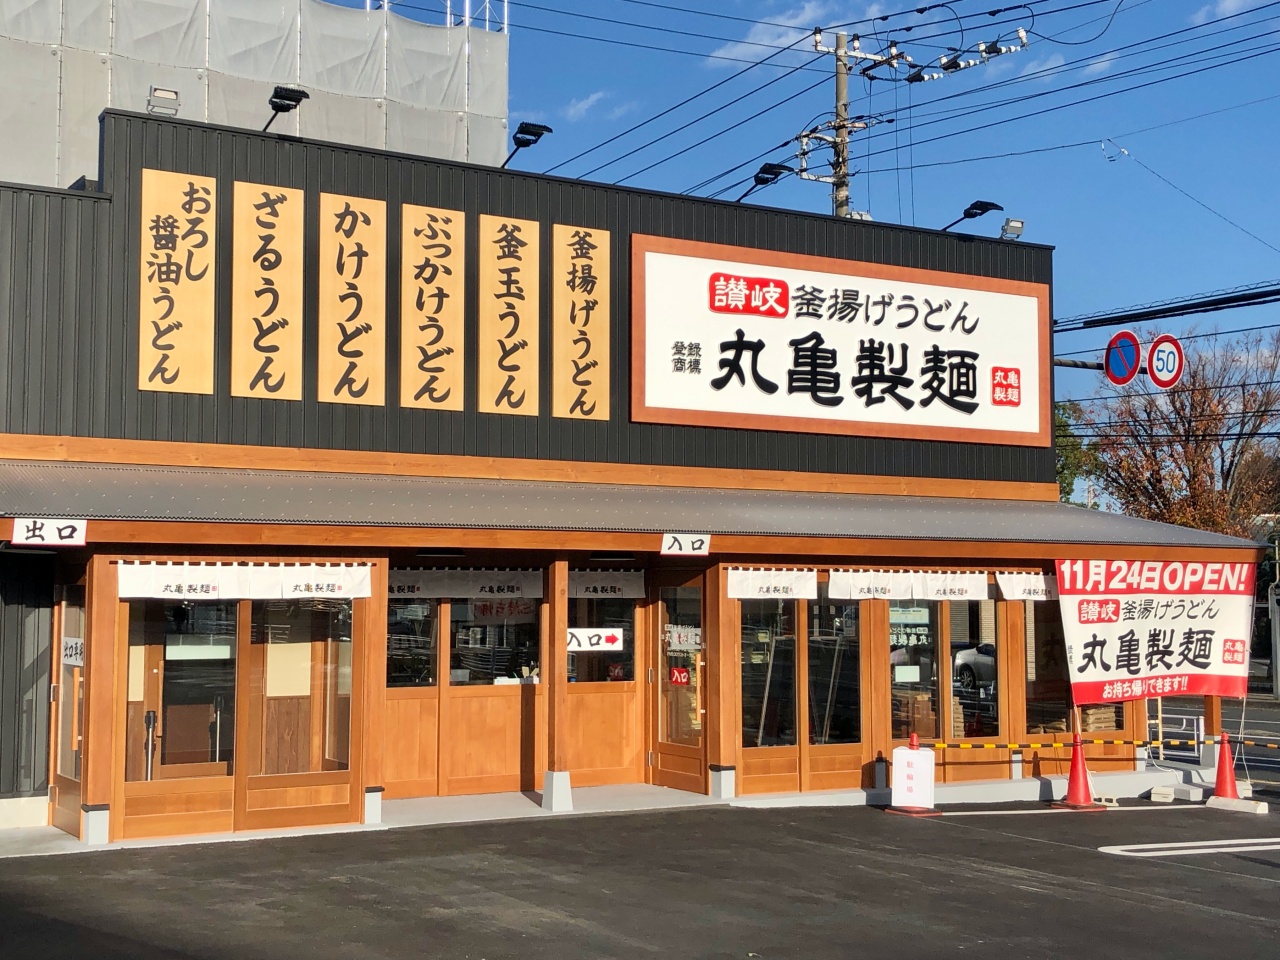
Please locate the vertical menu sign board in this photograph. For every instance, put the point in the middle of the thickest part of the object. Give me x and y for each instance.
(352, 306)
(266, 292)
(176, 295)
(432, 275)
(509, 343)
(580, 323)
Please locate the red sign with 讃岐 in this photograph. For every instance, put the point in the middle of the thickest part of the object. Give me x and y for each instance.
(1149, 628)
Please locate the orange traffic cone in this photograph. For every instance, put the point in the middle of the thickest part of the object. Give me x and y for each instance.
(1079, 796)
(1225, 787)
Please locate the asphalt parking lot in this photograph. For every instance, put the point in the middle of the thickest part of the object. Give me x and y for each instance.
(705, 883)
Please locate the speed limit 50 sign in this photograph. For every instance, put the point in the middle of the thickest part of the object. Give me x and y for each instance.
(1166, 361)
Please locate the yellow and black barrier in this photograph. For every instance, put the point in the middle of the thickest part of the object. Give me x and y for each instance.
(1048, 745)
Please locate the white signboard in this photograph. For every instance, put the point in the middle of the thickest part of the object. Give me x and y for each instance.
(595, 639)
(72, 652)
(49, 531)
(686, 544)
(747, 338)
(1138, 628)
(913, 779)
(679, 637)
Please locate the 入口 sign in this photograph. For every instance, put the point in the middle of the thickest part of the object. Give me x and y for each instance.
(595, 639)
(735, 337)
(1137, 629)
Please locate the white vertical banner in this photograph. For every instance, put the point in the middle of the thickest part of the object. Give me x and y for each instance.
(752, 584)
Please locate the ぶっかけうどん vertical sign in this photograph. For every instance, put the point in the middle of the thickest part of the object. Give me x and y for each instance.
(755, 339)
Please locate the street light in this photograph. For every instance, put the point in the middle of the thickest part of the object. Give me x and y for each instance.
(284, 100)
(975, 209)
(526, 135)
(768, 174)
(1011, 230)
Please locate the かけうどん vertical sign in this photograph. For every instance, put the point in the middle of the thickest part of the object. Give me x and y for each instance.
(755, 339)
(1138, 628)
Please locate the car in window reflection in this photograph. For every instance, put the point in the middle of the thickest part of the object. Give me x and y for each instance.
(974, 666)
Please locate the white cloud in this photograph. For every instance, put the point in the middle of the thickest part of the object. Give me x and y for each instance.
(1223, 8)
(621, 110)
(808, 15)
(1045, 63)
(578, 109)
(1099, 66)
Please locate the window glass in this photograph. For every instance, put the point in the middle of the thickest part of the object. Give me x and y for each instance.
(1048, 683)
(611, 617)
(493, 641)
(835, 652)
(411, 643)
(306, 687)
(180, 718)
(71, 684)
(974, 675)
(768, 673)
(914, 647)
(680, 679)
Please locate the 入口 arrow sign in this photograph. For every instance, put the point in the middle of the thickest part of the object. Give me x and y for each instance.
(594, 638)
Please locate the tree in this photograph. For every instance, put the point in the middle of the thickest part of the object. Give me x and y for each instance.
(1202, 454)
(1073, 458)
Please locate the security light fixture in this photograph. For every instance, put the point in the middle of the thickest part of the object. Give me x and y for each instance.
(284, 100)
(768, 174)
(975, 209)
(163, 102)
(1011, 230)
(526, 135)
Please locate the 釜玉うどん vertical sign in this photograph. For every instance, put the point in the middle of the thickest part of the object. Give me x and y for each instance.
(176, 296)
(266, 292)
(352, 305)
(509, 350)
(432, 277)
(735, 337)
(1138, 628)
(580, 323)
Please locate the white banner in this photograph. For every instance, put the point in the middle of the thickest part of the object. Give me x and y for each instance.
(906, 585)
(465, 584)
(748, 584)
(225, 581)
(1024, 586)
(825, 346)
(598, 584)
(1138, 629)
(953, 586)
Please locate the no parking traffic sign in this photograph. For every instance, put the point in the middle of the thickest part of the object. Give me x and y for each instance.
(1123, 358)
(1166, 361)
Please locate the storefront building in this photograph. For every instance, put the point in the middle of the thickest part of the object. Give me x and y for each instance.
(335, 476)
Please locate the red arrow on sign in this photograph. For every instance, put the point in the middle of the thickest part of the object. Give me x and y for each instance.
(612, 638)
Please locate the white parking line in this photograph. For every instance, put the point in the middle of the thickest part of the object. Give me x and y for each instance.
(1194, 848)
(1039, 812)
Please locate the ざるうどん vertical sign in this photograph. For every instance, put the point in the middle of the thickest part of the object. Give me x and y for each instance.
(735, 337)
(176, 322)
(1139, 628)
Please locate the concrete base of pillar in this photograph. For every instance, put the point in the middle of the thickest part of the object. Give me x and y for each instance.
(95, 826)
(373, 805)
(724, 783)
(557, 794)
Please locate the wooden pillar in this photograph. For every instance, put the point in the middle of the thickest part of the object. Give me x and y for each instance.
(723, 727)
(103, 747)
(372, 732)
(556, 789)
(877, 692)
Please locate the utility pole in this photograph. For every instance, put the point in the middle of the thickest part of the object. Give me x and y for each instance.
(840, 148)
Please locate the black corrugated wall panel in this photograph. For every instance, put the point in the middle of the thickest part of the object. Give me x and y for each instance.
(26, 616)
(87, 386)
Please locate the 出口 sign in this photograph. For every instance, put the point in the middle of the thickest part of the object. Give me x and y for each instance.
(747, 338)
(1138, 629)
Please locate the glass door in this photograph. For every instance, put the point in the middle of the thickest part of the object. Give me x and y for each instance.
(679, 757)
(68, 716)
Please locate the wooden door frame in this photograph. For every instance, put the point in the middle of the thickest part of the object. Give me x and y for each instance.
(657, 581)
(62, 816)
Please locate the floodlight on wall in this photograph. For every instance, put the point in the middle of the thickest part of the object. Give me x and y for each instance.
(975, 209)
(163, 102)
(284, 100)
(1012, 229)
(526, 135)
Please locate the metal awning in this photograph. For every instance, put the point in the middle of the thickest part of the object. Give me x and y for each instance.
(104, 491)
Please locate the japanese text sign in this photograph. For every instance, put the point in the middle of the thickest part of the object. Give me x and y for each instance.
(734, 337)
(686, 544)
(913, 779)
(266, 292)
(432, 275)
(176, 294)
(510, 340)
(580, 323)
(49, 532)
(598, 639)
(352, 305)
(1138, 629)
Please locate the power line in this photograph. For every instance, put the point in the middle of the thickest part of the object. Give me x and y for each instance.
(1183, 338)
(1249, 297)
(1157, 393)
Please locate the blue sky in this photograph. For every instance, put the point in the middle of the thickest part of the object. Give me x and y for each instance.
(1210, 126)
